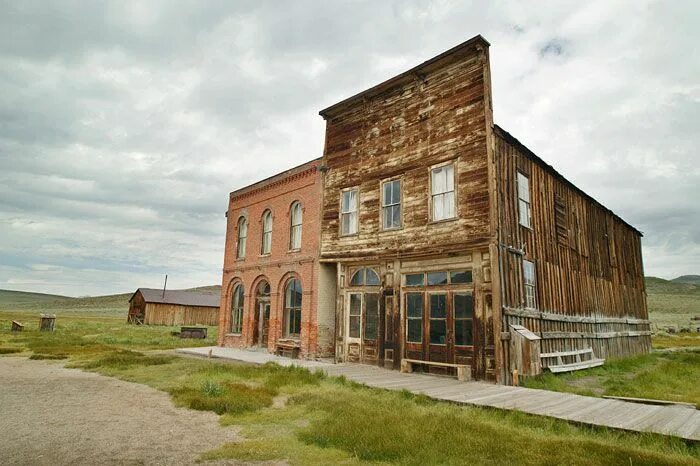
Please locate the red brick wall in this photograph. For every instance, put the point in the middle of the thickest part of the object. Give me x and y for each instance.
(278, 193)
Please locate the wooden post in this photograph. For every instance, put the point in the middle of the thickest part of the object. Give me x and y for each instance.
(516, 381)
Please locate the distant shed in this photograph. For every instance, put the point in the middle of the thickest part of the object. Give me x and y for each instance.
(177, 307)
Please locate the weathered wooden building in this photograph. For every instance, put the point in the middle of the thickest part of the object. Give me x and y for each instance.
(447, 232)
(173, 307)
(453, 246)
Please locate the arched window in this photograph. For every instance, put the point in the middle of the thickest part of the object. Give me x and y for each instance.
(365, 277)
(237, 309)
(295, 228)
(242, 237)
(292, 308)
(266, 232)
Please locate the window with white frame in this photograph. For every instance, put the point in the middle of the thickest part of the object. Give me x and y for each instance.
(442, 187)
(529, 284)
(348, 212)
(524, 214)
(242, 237)
(295, 227)
(237, 309)
(266, 246)
(391, 204)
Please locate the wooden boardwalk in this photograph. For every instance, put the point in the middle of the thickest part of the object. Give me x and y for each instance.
(680, 421)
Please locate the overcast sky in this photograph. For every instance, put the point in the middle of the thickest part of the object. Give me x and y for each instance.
(123, 125)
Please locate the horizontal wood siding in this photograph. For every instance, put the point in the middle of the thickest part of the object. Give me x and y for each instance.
(173, 314)
(402, 132)
(590, 280)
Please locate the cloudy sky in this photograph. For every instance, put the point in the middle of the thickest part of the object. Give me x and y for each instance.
(123, 125)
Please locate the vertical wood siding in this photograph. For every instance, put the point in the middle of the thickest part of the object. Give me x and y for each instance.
(590, 280)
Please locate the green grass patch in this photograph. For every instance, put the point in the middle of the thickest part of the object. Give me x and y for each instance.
(124, 359)
(685, 340)
(671, 376)
(9, 350)
(230, 398)
(54, 356)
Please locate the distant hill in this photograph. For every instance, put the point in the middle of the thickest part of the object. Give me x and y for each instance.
(691, 279)
(115, 304)
(672, 302)
(15, 297)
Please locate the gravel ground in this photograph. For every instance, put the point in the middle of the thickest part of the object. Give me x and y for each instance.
(50, 415)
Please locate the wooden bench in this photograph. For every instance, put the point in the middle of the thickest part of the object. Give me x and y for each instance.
(578, 363)
(16, 326)
(288, 347)
(193, 332)
(464, 372)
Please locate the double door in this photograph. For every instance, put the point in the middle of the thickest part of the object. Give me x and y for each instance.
(439, 326)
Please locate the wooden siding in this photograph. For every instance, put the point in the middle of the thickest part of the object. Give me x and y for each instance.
(437, 118)
(175, 314)
(589, 275)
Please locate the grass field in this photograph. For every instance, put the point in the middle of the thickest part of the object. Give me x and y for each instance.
(304, 418)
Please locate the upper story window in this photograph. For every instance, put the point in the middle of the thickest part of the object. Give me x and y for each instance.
(529, 284)
(524, 215)
(295, 227)
(266, 233)
(391, 204)
(442, 187)
(242, 237)
(348, 211)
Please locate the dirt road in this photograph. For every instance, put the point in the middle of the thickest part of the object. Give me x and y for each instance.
(53, 415)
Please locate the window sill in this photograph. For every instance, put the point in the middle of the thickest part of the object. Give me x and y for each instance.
(444, 220)
(349, 235)
(233, 334)
(240, 259)
(389, 230)
(294, 251)
(526, 227)
(265, 255)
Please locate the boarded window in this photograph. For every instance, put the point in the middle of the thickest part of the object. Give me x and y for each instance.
(438, 319)
(561, 219)
(524, 214)
(414, 317)
(464, 319)
(371, 316)
(443, 193)
(242, 237)
(295, 227)
(529, 284)
(348, 212)
(292, 308)
(266, 233)
(391, 204)
(355, 315)
(237, 309)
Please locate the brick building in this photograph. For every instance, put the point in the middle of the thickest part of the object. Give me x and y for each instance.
(433, 237)
(270, 290)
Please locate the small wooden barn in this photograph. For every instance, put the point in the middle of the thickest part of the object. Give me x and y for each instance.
(177, 307)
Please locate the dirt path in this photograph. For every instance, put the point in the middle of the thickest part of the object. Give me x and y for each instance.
(52, 415)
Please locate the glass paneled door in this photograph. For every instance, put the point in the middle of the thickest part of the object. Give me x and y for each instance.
(362, 327)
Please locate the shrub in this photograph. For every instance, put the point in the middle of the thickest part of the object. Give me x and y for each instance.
(9, 350)
(124, 359)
